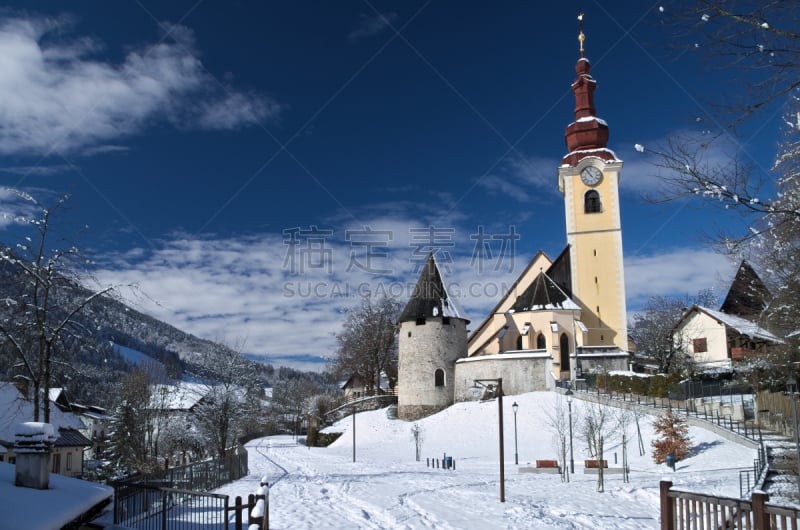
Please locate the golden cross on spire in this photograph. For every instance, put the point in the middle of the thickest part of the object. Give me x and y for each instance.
(581, 36)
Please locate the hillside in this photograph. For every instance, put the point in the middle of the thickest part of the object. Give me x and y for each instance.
(89, 363)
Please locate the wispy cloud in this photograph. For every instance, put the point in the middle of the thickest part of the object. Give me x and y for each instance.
(59, 95)
(35, 170)
(518, 176)
(370, 25)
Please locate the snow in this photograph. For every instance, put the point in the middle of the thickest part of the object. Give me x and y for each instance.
(743, 326)
(386, 488)
(639, 148)
(33, 509)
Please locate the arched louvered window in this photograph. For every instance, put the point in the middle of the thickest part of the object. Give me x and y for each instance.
(541, 342)
(438, 377)
(591, 202)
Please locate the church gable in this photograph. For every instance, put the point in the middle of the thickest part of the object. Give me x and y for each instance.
(543, 294)
(487, 328)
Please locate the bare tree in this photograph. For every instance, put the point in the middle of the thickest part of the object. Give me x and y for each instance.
(367, 345)
(755, 42)
(50, 298)
(558, 420)
(598, 429)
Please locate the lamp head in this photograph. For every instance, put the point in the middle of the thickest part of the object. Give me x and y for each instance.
(515, 407)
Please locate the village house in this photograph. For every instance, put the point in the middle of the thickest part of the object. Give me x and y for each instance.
(719, 338)
(67, 456)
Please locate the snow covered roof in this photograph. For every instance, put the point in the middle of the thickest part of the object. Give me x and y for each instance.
(741, 325)
(66, 500)
(543, 294)
(430, 298)
(14, 409)
(602, 153)
(180, 396)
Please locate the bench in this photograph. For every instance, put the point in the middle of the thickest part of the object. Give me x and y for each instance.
(542, 466)
(594, 464)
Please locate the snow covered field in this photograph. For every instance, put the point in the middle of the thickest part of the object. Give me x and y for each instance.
(386, 488)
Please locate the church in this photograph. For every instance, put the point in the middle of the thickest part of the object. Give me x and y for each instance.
(562, 318)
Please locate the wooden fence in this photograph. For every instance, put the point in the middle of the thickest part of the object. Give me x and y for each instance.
(683, 510)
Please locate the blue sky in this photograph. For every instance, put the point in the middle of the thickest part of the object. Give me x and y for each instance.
(253, 167)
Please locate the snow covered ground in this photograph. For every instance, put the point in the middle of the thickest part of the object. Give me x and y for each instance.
(386, 488)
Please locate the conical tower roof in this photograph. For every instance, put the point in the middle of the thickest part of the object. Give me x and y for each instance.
(430, 298)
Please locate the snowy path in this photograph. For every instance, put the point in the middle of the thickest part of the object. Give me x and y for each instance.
(386, 489)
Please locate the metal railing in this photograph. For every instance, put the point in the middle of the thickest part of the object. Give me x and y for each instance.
(146, 507)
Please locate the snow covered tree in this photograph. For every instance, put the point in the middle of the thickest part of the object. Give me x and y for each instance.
(367, 343)
(674, 438)
(35, 324)
(139, 419)
(231, 396)
(755, 48)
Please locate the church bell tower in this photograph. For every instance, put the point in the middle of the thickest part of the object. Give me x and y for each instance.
(589, 179)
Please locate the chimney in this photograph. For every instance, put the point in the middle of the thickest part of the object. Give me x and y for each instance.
(33, 443)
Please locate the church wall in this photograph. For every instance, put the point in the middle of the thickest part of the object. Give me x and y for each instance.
(521, 373)
(423, 349)
(601, 364)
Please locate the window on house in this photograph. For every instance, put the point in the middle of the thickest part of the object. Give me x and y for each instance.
(519, 342)
(56, 461)
(438, 377)
(69, 461)
(421, 321)
(445, 320)
(591, 202)
(700, 345)
(541, 342)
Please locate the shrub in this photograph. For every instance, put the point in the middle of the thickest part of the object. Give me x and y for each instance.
(674, 437)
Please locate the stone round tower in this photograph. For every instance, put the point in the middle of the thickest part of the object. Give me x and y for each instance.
(432, 336)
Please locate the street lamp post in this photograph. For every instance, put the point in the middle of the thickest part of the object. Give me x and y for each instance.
(791, 386)
(568, 393)
(515, 407)
(476, 390)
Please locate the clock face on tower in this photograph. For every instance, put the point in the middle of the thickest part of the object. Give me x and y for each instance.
(591, 175)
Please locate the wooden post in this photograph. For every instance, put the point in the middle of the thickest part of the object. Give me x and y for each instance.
(760, 516)
(237, 521)
(265, 489)
(667, 514)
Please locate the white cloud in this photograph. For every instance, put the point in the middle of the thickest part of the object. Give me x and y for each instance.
(676, 272)
(58, 95)
(370, 25)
